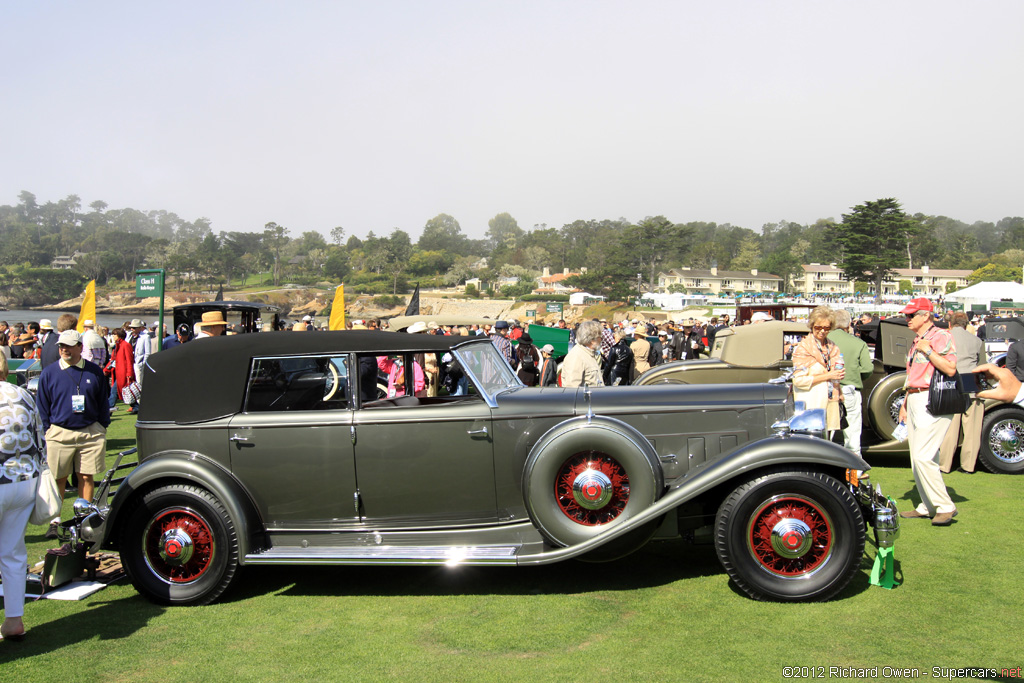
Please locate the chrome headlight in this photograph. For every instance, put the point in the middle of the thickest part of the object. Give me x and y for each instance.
(810, 422)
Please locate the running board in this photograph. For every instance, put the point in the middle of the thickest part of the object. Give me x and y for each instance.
(398, 555)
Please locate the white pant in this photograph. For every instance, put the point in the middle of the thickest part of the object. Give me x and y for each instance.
(16, 502)
(854, 416)
(925, 433)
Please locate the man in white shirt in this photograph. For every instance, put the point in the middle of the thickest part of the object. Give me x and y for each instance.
(93, 347)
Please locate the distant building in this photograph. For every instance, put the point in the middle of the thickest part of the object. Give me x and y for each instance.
(555, 284)
(66, 262)
(926, 281)
(822, 279)
(719, 282)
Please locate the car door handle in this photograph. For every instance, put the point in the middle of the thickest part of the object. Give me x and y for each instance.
(238, 438)
(473, 432)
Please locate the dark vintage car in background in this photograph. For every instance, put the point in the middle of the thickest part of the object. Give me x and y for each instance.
(261, 449)
(757, 353)
(248, 315)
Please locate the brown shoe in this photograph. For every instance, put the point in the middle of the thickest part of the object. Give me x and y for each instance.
(913, 514)
(943, 518)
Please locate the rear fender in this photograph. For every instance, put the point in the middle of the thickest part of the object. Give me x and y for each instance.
(178, 467)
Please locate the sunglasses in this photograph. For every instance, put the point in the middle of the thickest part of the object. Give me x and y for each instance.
(821, 328)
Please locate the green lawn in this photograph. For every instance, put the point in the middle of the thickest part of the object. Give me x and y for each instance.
(667, 613)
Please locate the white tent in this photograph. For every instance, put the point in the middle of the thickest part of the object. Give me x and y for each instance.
(984, 293)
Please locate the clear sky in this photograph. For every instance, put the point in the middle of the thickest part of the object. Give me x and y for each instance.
(376, 115)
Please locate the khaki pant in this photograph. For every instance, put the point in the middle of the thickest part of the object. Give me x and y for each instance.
(80, 450)
(925, 434)
(971, 422)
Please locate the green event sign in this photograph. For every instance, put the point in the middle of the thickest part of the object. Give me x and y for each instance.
(148, 285)
(150, 282)
(531, 314)
(554, 308)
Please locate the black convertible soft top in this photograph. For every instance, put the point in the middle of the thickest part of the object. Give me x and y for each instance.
(205, 379)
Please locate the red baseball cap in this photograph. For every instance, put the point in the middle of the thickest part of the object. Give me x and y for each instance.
(916, 305)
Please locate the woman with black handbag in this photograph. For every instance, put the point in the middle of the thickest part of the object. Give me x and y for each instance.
(933, 351)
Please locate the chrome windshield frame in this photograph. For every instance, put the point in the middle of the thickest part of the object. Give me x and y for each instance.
(487, 369)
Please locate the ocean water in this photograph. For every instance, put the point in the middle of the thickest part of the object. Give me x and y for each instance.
(107, 319)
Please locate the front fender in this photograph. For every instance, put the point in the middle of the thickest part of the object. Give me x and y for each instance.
(791, 450)
(753, 456)
(177, 467)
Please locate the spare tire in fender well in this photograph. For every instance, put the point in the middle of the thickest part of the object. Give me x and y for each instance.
(614, 468)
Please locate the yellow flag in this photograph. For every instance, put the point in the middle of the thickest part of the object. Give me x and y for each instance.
(88, 311)
(337, 320)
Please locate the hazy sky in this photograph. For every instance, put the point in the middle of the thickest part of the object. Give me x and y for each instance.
(376, 115)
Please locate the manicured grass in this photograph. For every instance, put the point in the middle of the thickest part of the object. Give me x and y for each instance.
(667, 613)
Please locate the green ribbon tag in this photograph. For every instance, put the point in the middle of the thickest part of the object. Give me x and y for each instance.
(883, 569)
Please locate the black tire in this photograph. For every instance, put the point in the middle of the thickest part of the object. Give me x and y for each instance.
(1002, 441)
(198, 539)
(633, 481)
(790, 536)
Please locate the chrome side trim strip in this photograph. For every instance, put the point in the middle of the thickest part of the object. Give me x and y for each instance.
(421, 555)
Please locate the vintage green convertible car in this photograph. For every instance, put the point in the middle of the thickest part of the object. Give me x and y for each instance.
(757, 353)
(274, 449)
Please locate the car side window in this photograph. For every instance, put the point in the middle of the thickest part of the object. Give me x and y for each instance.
(412, 379)
(298, 384)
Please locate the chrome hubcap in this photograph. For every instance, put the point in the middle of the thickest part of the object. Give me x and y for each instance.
(176, 547)
(1007, 441)
(592, 489)
(791, 538)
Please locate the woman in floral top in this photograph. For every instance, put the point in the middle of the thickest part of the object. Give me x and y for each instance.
(22, 454)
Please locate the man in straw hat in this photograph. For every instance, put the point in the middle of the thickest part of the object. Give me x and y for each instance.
(73, 403)
(212, 324)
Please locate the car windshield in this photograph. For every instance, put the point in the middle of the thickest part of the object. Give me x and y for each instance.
(490, 373)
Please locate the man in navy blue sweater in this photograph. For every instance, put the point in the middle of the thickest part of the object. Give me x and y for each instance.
(73, 402)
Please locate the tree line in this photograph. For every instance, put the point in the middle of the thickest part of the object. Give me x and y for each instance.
(869, 242)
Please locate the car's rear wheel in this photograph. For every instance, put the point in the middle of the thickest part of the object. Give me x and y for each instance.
(790, 536)
(179, 545)
(1002, 441)
(582, 481)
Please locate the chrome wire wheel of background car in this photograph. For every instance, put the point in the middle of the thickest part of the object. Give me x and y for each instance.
(883, 404)
(1002, 441)
(585, 475)
(790, 535)
(178, 545)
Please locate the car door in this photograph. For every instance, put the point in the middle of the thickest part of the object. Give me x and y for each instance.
(292, 445)
(424, 461)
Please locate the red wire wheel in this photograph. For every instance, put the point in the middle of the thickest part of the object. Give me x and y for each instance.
(790, 536)
(178, 545)
(592, 488)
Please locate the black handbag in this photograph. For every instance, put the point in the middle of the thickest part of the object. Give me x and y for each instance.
(946, 395)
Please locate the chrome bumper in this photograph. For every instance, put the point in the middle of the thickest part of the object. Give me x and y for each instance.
(884, 516)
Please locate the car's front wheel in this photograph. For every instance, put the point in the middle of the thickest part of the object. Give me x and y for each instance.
(790, 536)
(179, 545)
(1002, 441)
